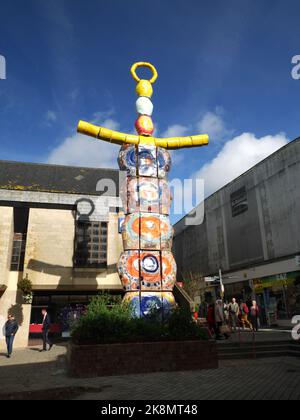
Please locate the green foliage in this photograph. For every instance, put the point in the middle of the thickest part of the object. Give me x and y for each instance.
(108, 321)
(181, 324)
(25, 285)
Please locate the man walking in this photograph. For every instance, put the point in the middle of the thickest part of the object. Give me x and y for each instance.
(45, 330)
(11, 328)
(234, 311)
(221, 326)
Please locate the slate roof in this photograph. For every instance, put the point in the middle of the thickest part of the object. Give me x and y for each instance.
(54, 178)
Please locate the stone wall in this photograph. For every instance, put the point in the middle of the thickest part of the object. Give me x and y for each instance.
(6, 238)
(126, 358)
(50, 251)
(11, 302)
(49, 247)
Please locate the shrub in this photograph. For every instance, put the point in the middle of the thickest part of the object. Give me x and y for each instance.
(108, 321)
(25, 285)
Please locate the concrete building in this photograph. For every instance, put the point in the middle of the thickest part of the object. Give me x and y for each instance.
(251, 231)
(59, 228)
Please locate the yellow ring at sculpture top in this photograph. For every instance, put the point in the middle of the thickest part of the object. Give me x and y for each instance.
(143, 64)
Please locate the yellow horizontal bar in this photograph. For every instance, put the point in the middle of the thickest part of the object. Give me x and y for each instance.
(116, 137)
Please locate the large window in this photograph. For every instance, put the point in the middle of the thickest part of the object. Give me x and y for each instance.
(19, 240)
(239, 202)
(18, 252)
(91, 244)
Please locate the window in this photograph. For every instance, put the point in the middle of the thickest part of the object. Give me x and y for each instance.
(19, 240)
(239, 202)
(18, 252)
(91, 244)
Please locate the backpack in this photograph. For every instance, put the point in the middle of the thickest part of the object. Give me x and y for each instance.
(244, 309)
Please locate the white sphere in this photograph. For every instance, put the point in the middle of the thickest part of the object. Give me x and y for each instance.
(144, 106)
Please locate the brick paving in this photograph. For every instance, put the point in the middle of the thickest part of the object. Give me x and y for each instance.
(274, 379)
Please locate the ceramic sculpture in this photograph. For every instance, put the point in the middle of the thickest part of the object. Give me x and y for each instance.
(147, 268)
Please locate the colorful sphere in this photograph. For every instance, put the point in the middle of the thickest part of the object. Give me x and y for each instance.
(145, 303)
(144, 125)
(144, 106)
(144, 88)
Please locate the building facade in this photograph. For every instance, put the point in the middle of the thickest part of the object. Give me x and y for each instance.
(251, 231)
(59, 228)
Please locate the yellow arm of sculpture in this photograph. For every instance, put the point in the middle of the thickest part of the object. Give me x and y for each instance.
(116, 137)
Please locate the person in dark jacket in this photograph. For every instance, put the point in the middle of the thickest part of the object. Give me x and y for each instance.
(11, 328)
(45, 330)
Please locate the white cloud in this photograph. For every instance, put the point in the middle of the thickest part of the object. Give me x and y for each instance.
(175, 130)
(212, 123)
(80, 150)
(236, 157)
(50, 117)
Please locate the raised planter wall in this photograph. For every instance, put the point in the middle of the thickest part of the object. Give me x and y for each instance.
(126, 358)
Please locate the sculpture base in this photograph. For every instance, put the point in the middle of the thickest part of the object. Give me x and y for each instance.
(133, 358)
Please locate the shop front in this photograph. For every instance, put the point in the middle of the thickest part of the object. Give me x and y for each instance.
(278, 296)
(241, 291)
(65, 309)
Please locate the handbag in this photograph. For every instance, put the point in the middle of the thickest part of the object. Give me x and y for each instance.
(224, 329)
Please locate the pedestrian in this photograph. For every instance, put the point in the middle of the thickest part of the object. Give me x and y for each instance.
(45, 330)
(244, 311)
(254, 315)
(226, 312)
(202, 311)
(11, 328)
(234, 312)
(210, 317)
(220, 320)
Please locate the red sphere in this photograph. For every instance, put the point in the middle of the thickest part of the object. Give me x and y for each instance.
(144, 125)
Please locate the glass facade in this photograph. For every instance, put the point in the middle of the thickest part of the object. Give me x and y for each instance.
(279, 294)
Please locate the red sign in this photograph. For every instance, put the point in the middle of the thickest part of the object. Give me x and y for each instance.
(37, 328)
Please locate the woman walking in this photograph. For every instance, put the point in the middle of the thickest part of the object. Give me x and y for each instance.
(254, 315)
(244, 312)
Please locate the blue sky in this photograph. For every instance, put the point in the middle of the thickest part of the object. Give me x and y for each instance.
(224, 67)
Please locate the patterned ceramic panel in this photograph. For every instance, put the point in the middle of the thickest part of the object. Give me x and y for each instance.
(147, 231)
(163, 162)
(156, 271)
(127, 159)
(145, 303)
(156, 231)
(145, 194)
(140, 269)
(128, 269)
(152, 162)
(169, 270)
(164, 197)
(149, 194)
(147, 162)
(150, 266)
(131, 232)
(129, 195)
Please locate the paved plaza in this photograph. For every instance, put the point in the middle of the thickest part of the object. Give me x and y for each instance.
(35, 375)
